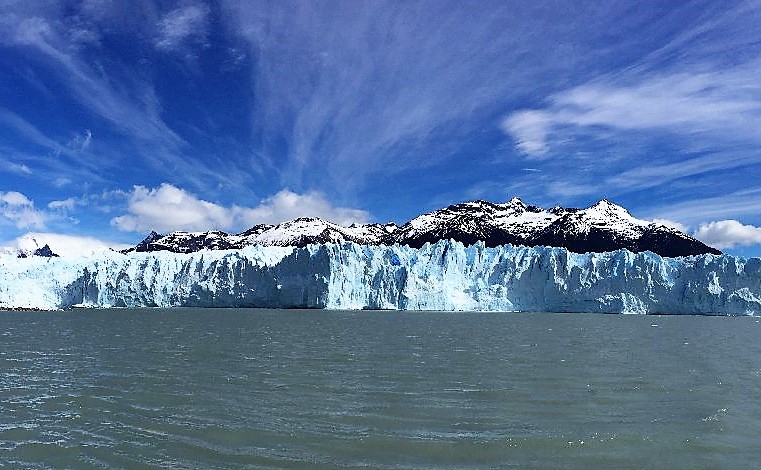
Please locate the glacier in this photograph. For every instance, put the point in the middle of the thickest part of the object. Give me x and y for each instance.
(446, 275)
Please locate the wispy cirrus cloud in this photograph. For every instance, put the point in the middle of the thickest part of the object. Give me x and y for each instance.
(16, 168)
(58, 157)
(390, 106)
(720, 105)
(125, 99)
(658, 172)
(682, 112)
(183, 26)
(692, 212)
(27, 130)
(132, 113)
(81, 141)
(386, 87)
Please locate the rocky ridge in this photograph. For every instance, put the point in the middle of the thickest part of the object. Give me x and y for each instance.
(602, 227)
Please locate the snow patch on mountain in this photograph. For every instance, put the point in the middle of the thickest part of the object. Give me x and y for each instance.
(602, 227)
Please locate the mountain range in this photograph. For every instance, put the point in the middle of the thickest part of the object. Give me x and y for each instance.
(602, 227)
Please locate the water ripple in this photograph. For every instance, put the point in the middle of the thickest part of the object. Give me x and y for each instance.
(291, 389)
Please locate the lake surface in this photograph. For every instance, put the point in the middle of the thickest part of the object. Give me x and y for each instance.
(227, 388)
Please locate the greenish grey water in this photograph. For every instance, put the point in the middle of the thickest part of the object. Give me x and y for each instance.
(227, 388)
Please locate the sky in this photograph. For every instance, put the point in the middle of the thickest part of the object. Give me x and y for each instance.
(118, 118)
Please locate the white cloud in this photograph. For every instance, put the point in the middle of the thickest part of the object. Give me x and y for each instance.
(17, 168)
(179, 26)
(14, 198)
(132, 106)
(722, 104)
(19, 209)
(67, 204)
(654, 174)
(25, 129)
(120, 94)
(529, 128)
(82, 141)
(391, 87)
(728, 234)
(738, 204)
(671, 224)
(168, 208)
(63, 245)
(287, 205)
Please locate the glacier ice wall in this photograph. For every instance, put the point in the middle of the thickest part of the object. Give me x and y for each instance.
(442, 276)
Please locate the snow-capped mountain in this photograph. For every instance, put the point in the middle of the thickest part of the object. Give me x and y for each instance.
(299, 232)
(311, 231)
(185, 242)
(495, 224)
(45, 252)
(601, 227)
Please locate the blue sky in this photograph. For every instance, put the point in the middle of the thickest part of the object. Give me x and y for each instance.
(121, 117)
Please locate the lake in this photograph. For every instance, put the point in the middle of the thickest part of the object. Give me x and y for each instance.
(238, 388)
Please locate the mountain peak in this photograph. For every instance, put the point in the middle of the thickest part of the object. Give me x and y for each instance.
(306, 219)
(604, 203)
(479, 204)
(606, 206)
(604, 226)
(515, 201)
(45, 251)
(152, 236)
(515, 204)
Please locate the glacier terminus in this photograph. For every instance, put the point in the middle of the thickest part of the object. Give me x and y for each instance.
(446, 275)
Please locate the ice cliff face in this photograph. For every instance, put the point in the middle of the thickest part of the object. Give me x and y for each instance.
(443, 276)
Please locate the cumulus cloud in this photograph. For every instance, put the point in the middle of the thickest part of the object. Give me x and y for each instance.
(63, 245)
(181, 26)
(15, 198)
(671, 224)
(18, 209)
(287, 205)
(728, 234)
(169, 208)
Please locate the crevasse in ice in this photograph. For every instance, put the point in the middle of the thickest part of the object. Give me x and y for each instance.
(442, 276)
